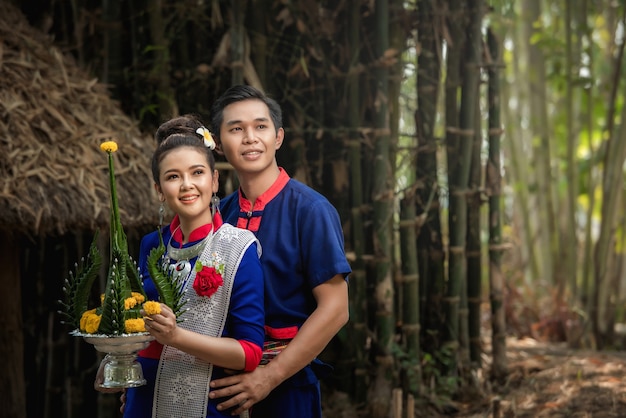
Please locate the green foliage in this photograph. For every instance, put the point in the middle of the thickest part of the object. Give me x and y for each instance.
(148, 109)
(409, 364)
(116, 292)
(78, 286)
(122, 278)
(170, 290)
(435, 383)
(132, 271)
(119, 242)
(443, 384)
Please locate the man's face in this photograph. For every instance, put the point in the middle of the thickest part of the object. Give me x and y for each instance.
(248, 136)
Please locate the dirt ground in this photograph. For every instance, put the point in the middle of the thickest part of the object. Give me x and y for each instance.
(550, 380)
(545, 380)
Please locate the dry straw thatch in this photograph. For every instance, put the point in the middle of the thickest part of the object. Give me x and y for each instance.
(53, 117)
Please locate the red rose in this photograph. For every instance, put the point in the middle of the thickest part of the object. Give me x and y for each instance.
(207, 281)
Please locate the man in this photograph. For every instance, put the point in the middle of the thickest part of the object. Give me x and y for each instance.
(303, 260)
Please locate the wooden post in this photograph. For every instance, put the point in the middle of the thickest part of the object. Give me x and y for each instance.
(397, 403)
(496, 407)
(410, 406)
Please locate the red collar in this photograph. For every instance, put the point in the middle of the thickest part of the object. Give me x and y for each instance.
(267, 196)
(197, 234)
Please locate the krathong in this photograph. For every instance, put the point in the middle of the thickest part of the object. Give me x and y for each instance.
(116, 326)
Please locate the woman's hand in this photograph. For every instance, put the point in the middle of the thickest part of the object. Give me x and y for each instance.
(162, 326)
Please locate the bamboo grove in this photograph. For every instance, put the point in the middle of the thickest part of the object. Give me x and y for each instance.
(474, 149)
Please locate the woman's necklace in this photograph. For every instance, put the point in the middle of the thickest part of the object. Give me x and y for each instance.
(181, 267)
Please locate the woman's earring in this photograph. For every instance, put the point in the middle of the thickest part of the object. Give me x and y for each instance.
(215, 204)
(161, 215)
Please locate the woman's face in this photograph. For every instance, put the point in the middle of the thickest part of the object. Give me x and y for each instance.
(187, 185)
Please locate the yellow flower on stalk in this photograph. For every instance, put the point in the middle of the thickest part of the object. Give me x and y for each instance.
(109, 146)
(121, 282)
(138, 297)
(101, 298)
(152, 307)
(93, 322)
(129, 303)
(134, 325)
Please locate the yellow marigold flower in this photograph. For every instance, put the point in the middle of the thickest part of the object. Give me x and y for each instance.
(83, 319)
(109, 146)
(129, 303)
(138, 297)
(134, 325)
(152, 307)
(93, 322)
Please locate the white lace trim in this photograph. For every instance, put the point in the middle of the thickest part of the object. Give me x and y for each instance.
(182, 382)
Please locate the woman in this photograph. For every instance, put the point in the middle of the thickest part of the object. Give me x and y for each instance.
(221, 327)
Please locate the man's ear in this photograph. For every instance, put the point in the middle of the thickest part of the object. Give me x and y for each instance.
(280, 136)
(218, 148)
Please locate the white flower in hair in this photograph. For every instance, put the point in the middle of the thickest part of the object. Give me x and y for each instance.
(207, 137)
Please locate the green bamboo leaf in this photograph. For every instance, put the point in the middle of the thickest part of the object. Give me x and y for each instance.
(122, 277)
(170, 291)
(78, 285)
(132, 271)
(116, 291)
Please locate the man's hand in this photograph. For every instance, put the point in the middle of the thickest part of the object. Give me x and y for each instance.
(244, 390)
(123, 401)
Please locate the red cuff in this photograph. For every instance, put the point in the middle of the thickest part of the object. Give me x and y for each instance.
(286, 333)
(252, 353)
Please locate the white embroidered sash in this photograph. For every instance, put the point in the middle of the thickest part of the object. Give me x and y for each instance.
(182, 382)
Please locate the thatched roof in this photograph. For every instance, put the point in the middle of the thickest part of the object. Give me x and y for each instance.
(53, 117)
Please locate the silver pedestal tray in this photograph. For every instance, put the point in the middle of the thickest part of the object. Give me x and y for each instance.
(120, 366)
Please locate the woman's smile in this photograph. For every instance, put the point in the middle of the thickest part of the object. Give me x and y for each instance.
(187, 185)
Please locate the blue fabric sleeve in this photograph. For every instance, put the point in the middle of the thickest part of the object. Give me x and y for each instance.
(322, 243)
